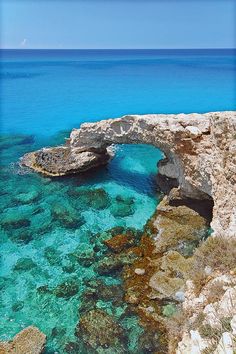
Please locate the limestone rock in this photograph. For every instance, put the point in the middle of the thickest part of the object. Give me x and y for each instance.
(192, 343)
(29, 341)
(63, 160)
(200, 150)
(225, 345)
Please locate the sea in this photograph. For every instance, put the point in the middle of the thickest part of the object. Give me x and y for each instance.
(52, 229)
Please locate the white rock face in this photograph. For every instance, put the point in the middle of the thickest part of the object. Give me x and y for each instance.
(225, 345)
(201, 153)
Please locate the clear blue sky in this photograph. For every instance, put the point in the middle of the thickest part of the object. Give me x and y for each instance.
(117, 23)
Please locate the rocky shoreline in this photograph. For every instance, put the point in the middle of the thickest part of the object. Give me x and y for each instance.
(200, 152)
(180, 281)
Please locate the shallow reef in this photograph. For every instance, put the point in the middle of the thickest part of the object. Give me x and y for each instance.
(65, 242)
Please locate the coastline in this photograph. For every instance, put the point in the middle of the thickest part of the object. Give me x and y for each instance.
(177, 271)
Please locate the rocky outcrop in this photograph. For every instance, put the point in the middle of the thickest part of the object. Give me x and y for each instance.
(200, 152)
(63, 160)
(29, 341)
(184, 281)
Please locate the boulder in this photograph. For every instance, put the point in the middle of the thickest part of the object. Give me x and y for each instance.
(63, 160)
(29, 341)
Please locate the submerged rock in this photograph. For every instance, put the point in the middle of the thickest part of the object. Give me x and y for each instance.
(7, 142)
(111, 264)
(21, 236)
(72, 348)
(98, 330)
(97, 199)
(17, 306)
(24, 264)
(67, 288)
(52, 255)
(29, 341)
(15, 223)
(28, 197)
(98, 290)
(67, 216)
(122, 208)
(84, 254)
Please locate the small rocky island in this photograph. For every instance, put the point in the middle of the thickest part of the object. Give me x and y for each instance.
(181, 276)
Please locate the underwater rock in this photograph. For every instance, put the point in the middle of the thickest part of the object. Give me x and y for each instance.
(150, 342)
(67, 216)
(121, 209)
(119, 242)
(21, 236)
(3, 282)
(63, 160)
(98, 239)
(14, 223)
(29, 341)
(24, 264)
(98, 330)
(69, 267)
(84, 255)
(114, 263)
(99, 290)
(67, 288)
(97, 199)
(72, 348)
(27, 198)
(52, 255)
(17, 306)
(125, 200)
(7, 142)
(43, 289)
(73, 224)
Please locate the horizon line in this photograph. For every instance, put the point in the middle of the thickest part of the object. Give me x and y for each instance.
(119, 48)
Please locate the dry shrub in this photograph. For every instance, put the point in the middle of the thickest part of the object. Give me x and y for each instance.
(175, 326)
(218, 253)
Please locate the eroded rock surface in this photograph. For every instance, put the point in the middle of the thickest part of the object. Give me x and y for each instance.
(29, 341)
(200, 152)
(63, 160)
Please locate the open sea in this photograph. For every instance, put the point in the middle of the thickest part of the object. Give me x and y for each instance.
(52, 229)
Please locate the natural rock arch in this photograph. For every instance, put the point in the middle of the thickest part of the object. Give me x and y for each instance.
(200, 151)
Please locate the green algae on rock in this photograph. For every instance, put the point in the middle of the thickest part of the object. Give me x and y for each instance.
(67, 288)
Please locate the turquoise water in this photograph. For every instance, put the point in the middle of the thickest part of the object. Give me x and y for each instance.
(52, 229)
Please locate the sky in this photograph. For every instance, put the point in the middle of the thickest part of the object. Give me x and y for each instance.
(116, 24)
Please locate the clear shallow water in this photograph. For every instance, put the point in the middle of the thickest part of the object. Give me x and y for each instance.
(45, 221)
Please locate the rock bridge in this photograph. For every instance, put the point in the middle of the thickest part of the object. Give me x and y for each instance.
(200, 151)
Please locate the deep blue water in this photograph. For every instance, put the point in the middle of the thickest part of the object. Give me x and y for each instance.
(58, 90)
(43, 95)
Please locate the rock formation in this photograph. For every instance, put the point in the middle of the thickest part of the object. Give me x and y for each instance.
(200, 152)
(166, 273)
(29, 341)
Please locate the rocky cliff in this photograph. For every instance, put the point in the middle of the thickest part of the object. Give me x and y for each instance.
(200, 152)
(183, 283)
